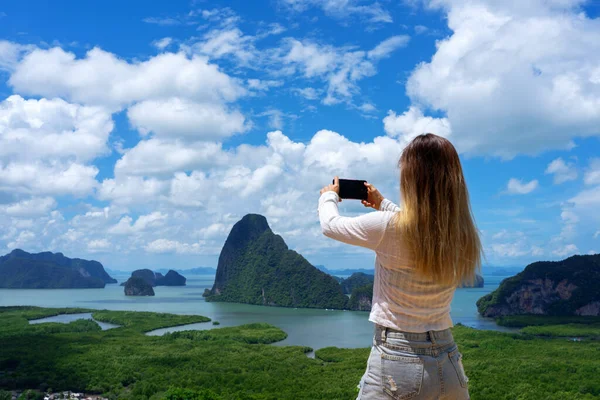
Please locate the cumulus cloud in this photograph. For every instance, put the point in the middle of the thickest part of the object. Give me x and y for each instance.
(55, 178)
(516, 186)
(175, 117)
(563, 172)
(126, 226)
(32, 207)
(11, 53)
(40, 129)
(102, 78)
(413, 123)
(566, 250)
(172, 246)
(513, 77)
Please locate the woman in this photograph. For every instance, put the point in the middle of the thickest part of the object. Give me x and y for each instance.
(424, 250)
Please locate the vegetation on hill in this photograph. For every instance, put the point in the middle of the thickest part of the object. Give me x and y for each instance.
(256, 267)
(238, 363)
(22, 270)
(355, 280)
(567, 287)
(361, 298)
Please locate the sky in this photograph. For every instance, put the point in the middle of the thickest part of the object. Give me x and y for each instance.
(137, 133)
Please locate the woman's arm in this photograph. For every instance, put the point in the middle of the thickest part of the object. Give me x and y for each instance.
(366, 230)
(387, 205)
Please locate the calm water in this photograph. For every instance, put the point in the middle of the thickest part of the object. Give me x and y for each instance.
(305, 327)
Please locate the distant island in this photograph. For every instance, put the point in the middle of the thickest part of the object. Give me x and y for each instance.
(557, 288)
(257, 267)
(190, 271)
(346, 272)
(22, 270)
(478, 283)
(172, 278)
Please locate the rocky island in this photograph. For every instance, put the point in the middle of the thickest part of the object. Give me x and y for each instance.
(172, 278)
(22, 270)
(257, 267)
(557, 288)
(136, 286)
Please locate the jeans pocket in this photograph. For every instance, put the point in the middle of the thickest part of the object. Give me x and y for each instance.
(401, 376)
(456, 359)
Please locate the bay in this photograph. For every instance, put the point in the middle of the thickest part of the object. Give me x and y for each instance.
(305, 327)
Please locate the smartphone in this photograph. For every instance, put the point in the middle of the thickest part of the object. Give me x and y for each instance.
(353, 189)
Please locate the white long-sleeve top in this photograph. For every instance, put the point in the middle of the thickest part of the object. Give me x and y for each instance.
(401, 300)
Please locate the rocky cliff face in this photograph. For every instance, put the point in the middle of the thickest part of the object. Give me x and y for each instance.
(477, 284)
(256, 267)
(361, 298)
(136, 286)
(568, 287)
(20, 269)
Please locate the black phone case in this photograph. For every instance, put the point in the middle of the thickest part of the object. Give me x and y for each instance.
(353, 189)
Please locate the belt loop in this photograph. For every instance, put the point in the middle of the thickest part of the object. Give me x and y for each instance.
(383, 333)
(432, 336)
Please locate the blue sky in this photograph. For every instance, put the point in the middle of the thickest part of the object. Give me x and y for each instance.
(138, 133)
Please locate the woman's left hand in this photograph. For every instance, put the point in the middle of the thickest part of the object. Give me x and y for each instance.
(332, 187)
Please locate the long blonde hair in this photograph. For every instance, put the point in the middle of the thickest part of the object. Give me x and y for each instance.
(436, 221)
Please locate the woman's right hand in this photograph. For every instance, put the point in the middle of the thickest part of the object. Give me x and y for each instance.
(374, 198)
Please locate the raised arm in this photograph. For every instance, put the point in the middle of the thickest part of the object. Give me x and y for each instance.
(366, 230)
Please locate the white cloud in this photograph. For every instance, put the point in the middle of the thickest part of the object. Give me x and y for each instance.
(23, 240)
(566, 250)
(388, 46)
(176, 117)
(131, 189)
(592, 174)
(340, 67)
(40, 129)
(98, 245)
(413, 123)
(562, 171)
(172, 246)
(514, 77)
(367, 108)
(263, 85)
(163, 43)
(163, 21)
(55, 178)
(420, 29)
(101, 78)
(11, 53)
(219, 43)
(125, 226)
(516, 186)
(597, 235)
(32, 207)
(158, 157)
(308, 93)
(342, 9)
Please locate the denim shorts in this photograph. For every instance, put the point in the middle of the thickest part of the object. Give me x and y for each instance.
(418, 366)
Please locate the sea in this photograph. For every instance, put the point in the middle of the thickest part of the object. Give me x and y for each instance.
(305, 327)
